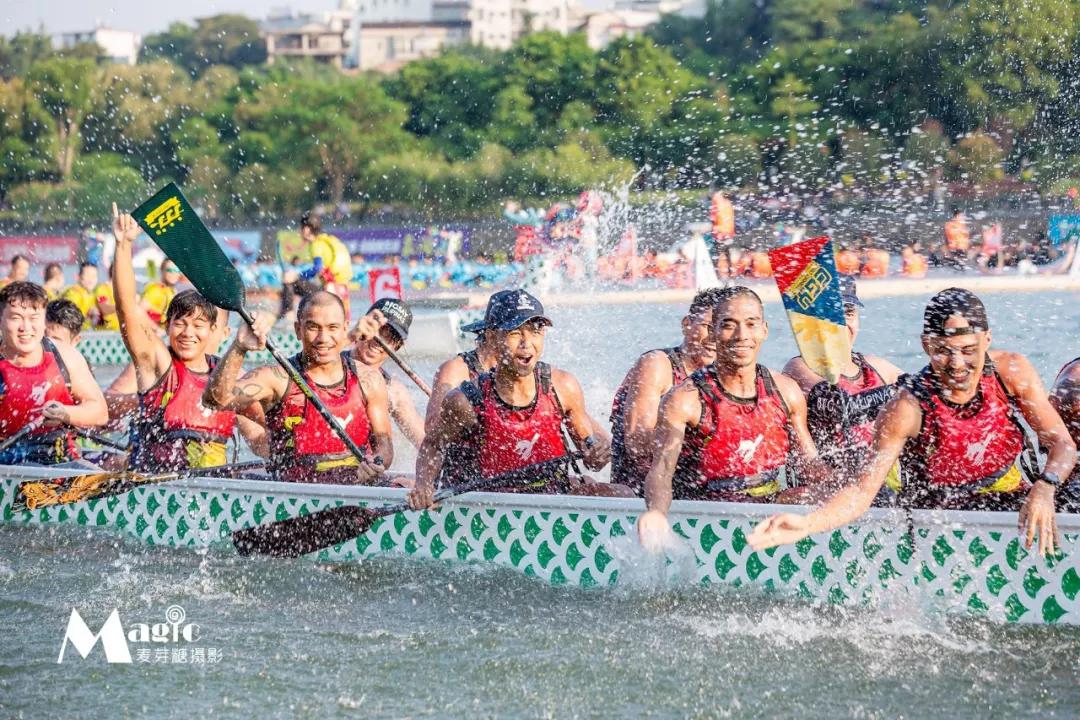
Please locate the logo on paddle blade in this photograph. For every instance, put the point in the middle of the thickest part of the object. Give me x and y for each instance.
(165, 215)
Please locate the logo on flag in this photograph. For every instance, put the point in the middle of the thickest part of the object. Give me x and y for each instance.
(809, 285)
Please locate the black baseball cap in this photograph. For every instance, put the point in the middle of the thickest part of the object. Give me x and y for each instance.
(847, 291)
(397, 313)
(954, 301)
(509, 310)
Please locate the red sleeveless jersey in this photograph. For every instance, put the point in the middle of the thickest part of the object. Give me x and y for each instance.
(740, 445)
(510, 437)
(24, 391)
(303, 448)
(171, 415)
(861, 435)
(967, 447)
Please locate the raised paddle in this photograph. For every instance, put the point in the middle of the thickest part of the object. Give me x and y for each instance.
(171, 223)
(322, 529)
(34, 494)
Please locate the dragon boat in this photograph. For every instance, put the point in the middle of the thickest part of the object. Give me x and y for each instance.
(970, 563)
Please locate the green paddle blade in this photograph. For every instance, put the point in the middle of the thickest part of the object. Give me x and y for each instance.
(170, 222)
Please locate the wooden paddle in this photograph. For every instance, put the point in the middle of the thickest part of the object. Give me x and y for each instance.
(322, 529)
(34, 494)
(171, 223)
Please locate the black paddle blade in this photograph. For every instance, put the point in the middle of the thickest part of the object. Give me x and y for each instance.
(299, 536)
(170, 222)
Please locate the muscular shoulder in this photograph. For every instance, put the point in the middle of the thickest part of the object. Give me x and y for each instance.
(1069, 374)
(797, 369)
(453, 372)
(565, 383)
(653, 369)
(683, 402)
(887, 370)
(371, 379)
(1016, 371)
(788, 389)
(70, 356)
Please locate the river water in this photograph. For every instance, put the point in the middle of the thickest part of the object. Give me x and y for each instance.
(399, 637)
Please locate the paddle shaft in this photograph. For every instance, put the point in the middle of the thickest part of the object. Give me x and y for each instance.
(306, 534)
(296, 377)
(404, 366)
(101, 439)
(21, 433)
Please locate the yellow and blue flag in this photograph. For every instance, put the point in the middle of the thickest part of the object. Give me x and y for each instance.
(809, 284)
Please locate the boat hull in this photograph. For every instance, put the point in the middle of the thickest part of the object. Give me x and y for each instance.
(969, 563)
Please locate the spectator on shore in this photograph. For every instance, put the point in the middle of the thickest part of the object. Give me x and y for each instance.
(20, 270)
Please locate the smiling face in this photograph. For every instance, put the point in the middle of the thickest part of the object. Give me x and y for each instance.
(322, 332)
(520, 349)
(188, 335)
(739, 329)
(697, 332)
(22, 324)
(957, 362)
(370, 352)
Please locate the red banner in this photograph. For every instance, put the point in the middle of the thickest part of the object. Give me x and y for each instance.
(384, 283)
(41, 249)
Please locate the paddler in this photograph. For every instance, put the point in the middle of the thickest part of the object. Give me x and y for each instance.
(390, 318)
(63, 322)
(637, 401)
(515, 414)
(729, 431)
(331, 265)
(955, 427)
(40, 379)
(302, 447)
(1065, 397)
(172, 429)
(83, 294)
(841, 417)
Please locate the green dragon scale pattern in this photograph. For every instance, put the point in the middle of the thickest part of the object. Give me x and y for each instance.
(976, 571)
(107, 348)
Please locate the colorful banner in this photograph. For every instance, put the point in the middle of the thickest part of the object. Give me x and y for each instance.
(384, 283)
(1062, 228)
(41, 249)
(430, 242)
(809, 284)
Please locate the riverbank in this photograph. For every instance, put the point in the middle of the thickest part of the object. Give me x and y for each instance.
(980, 284)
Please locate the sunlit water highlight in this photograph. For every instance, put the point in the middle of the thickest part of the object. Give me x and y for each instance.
(400, 637)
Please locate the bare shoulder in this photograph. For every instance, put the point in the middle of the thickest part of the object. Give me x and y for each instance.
(797, 370)
(788, 388)
(886, 369)
(453, 372)
(564, 381)
(683, 402)
(1015, 369)
(1069, 374)
(71, 356)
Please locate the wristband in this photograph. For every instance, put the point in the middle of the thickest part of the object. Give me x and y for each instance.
(1052, 479)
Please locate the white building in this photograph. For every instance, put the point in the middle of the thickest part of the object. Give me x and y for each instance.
(601, 28)
(119, 46)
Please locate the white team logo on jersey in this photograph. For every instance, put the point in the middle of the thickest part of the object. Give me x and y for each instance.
(37, 393)
(343, 423)
(976, 451)
(524, 448)
(748, 448)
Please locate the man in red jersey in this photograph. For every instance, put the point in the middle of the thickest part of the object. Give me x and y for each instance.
(515, 414)
(955, 427)
(45, 385)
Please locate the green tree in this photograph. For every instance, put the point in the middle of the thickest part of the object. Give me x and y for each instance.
(25, 143)
(791, 101)
(513, 123)
(65, 88)
(553, 69)
(225, 39)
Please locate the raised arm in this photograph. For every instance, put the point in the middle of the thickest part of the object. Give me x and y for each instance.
(148, 352)
(590, 438)
(898, 422)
